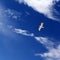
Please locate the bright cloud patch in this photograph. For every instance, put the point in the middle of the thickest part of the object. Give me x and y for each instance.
(42, 6)
(52, 54)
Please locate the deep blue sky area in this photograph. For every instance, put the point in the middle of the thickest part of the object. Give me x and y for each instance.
(19, 47)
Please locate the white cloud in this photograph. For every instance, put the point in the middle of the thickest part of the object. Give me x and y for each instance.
(23, 32)
(9, 12)
(42, 6)
(12, 13)
(53, 52)
(45, 41)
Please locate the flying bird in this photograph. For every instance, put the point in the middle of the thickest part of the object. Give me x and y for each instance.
(41, 26)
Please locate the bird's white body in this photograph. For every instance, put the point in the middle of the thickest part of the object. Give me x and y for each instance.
(41, 26)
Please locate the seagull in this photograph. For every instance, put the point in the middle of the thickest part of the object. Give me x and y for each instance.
(41, 26)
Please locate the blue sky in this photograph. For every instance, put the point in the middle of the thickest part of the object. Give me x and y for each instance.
(19, 35)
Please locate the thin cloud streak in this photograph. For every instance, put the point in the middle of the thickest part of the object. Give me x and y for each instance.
(45, 41)
(23, 32)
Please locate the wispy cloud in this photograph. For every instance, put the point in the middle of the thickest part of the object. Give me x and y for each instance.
(53, 52)
(42, 6)
(12, 13)
(23, 32)
(45, 41)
